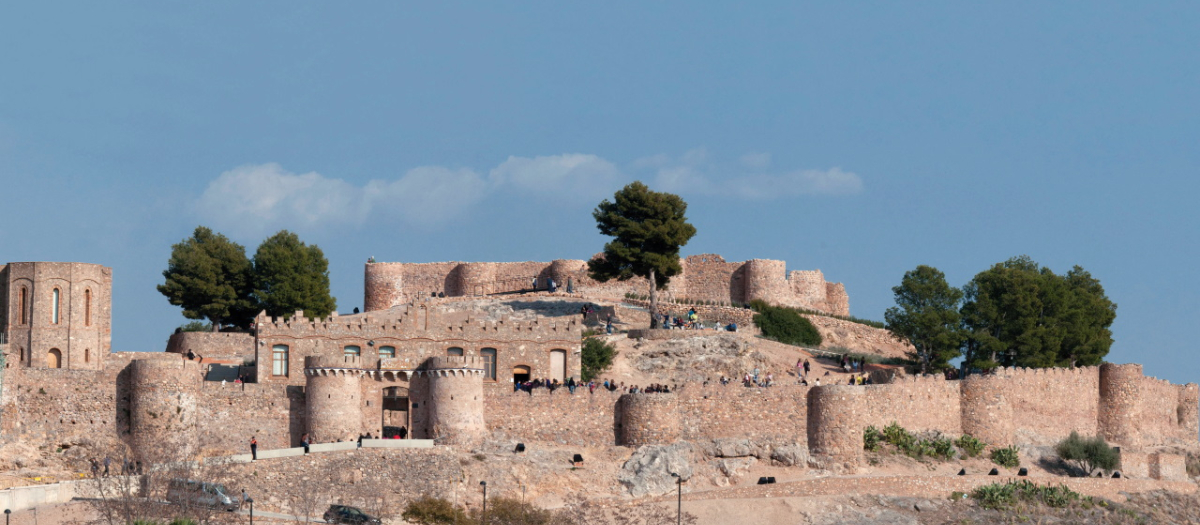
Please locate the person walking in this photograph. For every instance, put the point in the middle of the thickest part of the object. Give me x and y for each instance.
(107, 462)
(254, 448)
(304, 442)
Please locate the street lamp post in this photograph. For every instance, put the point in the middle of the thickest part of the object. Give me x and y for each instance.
(251, 502)
(6, 513)
(483, 517)
(679, 498)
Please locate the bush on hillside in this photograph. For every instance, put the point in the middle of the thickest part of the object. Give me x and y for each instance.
(429, 510)
(1087, 454)
(596, 357)
(1007, 457)
(785, 325)
(973, 447)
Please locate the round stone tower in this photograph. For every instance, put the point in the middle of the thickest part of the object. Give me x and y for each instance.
(648, 419)
(766, 279)
(383, 286)
(986, 412)
(1119, 393)
(563, 269)
(448, 398)
(334, 397)
(163, 408)
(476, 278)
(835, 423)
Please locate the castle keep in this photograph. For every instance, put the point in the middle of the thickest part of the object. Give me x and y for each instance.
(446, 373)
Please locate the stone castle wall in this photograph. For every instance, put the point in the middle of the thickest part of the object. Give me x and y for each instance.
(1014, 406)
(706, 277)
(212, 344)
(415, 334)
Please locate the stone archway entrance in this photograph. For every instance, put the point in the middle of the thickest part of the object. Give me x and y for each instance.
(54, 358)
(521, 373)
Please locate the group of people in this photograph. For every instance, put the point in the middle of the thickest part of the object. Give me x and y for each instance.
(851, 364)
(101, 467)
(549, 384)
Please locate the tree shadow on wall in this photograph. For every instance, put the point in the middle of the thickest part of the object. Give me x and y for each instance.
(1058, 467)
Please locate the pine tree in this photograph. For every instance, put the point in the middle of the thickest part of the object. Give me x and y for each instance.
(290, 276)
(210, 277)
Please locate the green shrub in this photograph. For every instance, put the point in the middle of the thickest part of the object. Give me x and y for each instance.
(971, 446)
(786, 326)
(1003, 495)
(942, 447)
(1006, 457)
(509, 511)
(1087, 454)
(196, 326)
(871, 438)
(429, 510)
(596, 356)
(183, 521)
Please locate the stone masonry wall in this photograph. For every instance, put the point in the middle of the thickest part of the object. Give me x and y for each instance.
(212, 344)
(917, 403)
(231, 414)
(705, 277)
(1049, 403)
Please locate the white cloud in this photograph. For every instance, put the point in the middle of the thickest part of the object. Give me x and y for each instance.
(258, 198)
(569, 174)
(693, 173)
(263, 196)
(428, 194)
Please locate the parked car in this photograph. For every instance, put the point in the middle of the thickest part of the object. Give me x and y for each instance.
(201, 494)
(349, 515)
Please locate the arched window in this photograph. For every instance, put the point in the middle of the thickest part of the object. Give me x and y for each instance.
(489, 363)
(54, 307)
(54, 358)
(454, 351)
(279, 360)
(87, 308)
(24, 304)
(387, 352)
(352, 351)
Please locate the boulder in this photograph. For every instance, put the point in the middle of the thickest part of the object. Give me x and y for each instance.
(790, 455)
(648, 471)
(736, 448)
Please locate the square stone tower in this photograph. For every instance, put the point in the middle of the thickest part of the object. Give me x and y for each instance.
(56, 315)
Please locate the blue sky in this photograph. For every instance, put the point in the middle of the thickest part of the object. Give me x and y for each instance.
(859, 138)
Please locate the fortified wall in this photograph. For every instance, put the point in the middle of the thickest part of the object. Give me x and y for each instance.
(705, 277)
(1011, 407)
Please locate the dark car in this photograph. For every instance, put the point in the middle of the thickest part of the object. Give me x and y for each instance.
(350, 515)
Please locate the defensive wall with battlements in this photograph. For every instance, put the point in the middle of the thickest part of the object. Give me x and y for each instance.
(706, 277)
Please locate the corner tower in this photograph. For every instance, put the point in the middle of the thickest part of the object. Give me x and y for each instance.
(334, 395)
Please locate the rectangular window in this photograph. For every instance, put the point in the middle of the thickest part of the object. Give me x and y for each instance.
(279, 360)
(352, 351)
(387, 352)
(454, 352)
(489, 363)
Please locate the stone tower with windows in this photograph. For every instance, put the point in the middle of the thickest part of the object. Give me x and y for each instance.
(56, 315)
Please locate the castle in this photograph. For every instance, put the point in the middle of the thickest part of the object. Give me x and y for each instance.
(410, 361)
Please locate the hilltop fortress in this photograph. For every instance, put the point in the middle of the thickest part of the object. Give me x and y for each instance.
(706, 277)
(416, 361)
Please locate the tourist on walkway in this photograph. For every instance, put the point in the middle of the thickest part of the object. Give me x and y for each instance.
(304, 441)
(253, 448)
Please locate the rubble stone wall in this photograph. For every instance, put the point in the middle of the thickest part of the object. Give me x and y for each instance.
(212, 344)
